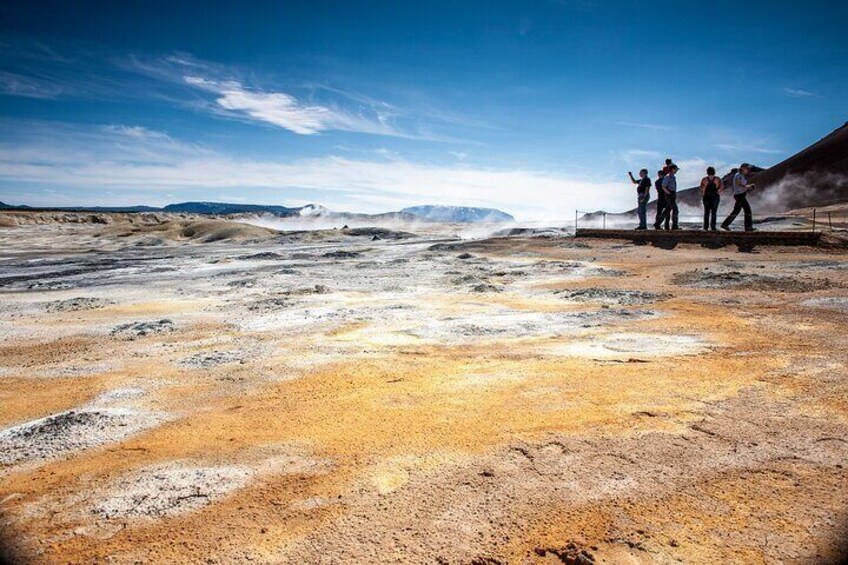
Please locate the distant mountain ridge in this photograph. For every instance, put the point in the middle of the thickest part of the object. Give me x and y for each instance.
(94, 209)
(458, 214)
(225, 209)
(447, 214)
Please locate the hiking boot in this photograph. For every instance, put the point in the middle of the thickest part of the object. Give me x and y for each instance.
(725, 228)
(750, 229)
(641, 228)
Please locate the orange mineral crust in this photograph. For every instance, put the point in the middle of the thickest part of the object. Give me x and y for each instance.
(329, 398)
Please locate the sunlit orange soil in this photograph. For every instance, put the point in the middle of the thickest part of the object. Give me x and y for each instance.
(413, 422)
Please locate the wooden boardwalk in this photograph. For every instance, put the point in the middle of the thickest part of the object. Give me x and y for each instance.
(669, 239)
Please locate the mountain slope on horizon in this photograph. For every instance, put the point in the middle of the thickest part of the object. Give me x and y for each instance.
(225, 208)
(458, 214)
(97, 209)
(448, 214)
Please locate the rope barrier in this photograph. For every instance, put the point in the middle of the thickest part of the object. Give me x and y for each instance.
(698, 219)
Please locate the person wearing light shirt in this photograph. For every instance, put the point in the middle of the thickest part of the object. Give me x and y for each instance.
(741, 188)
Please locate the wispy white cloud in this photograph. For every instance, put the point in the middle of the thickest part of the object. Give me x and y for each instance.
(335, 109)
(748, 148)
(304, 108)
(659, 127)
(800, 93)
(286, 111)
(633, 157)
(276, 108)
(136, 132)
(13, 84)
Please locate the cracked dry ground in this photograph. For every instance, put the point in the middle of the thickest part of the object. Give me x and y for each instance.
(500, 401)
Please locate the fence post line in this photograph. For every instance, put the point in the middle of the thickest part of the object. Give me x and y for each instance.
(814, 220)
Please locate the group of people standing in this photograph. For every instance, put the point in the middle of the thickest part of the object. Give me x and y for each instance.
(711, 188)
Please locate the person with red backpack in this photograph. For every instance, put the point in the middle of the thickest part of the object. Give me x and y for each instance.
(711, 188)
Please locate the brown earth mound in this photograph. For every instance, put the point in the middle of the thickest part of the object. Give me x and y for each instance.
(155, 227)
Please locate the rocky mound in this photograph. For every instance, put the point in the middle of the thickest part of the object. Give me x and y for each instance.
(160, 226)
(208, 231)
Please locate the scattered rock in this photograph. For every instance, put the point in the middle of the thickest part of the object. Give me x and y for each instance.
(467, 279)
(317, 289)
(613, 297)
(50, 285)
(165, 490)
(77, 304)
(485, 287)
(264, 256)
(133, 330)
(268, 305)
(487, 561)
(838, 303)
(378, 233)
(570, 554)
(211, 359)
(707, 278)
(342, 254)
(242, 283)
(69, 431)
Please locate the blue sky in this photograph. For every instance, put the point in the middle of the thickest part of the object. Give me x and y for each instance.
(536, 108)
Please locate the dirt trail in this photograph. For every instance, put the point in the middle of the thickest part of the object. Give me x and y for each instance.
(514, 400)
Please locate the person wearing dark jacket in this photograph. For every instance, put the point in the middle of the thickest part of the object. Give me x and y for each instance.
(711, 188)
(643, 193)
(669, 186)
(660, 200)
(741, 188)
